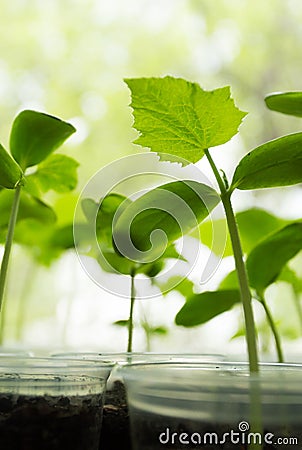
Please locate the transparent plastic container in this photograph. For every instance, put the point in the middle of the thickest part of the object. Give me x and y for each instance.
(214, 406)
(51, 403)
(116, 425)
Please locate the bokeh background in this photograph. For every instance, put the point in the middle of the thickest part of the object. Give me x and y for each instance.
(69, 58)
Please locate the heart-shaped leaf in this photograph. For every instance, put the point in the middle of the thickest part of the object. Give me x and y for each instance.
(266, 261)
(34, 135)
(144, 230)
(275, 163)
(179, 118)
(200, 308)
(285, 102)
(10, 172)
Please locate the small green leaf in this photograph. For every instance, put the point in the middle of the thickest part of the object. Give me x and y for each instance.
(159, 331)
(121, 323)
(34, 135)
(266, 261)
(179, 118)
(275, 163)
(10, 172)
(285, 102)
(178, 283)
(200, 308)
(57, 172)
(159, 217)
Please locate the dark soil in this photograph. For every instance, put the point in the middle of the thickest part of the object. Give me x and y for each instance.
(50, 422)
(115, 426)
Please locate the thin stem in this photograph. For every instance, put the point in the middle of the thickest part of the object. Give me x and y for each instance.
(8, 243)
(130, 321)
(246, 297)
(298, 306)
(272, 325)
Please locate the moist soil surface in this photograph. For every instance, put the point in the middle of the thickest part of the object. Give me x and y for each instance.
(115, 433)
(50, 422)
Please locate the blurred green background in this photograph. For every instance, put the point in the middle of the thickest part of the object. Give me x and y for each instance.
(69, 58)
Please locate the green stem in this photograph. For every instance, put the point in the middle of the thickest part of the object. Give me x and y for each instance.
(8, 243)
(130, 321)
(298, 306)
(272, 325)
(246, 297)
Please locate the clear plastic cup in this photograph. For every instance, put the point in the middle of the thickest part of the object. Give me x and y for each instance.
(115, 432)
(51, 403)
(214, 405)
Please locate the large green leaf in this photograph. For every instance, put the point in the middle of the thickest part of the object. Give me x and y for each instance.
(266, 261)
(57, 172)
(34, 135)
(147, 226)
(275, 163)
(10, 172)
(200, 308)
(285, 102)
(179, 118)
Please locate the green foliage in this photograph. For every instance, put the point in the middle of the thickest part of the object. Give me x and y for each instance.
(266, 261)
(175, 208)
(200, 308)
(179, 118)
(35, 135)
(254, 224)
(275, 163)
(30, 208)
(178, 283)
(285, 102)
(10, 172)
(57, 172)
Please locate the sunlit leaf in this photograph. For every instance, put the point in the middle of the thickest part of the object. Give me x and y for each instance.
(275, 163)
(289, 276)
(200, 308)
(266, 261)
(285, 102)
(254, 224)
(10, 172)
(230, 281)
(156, 219)
(178, 283)
(57, 172)
(177, 117)
(34, 135)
